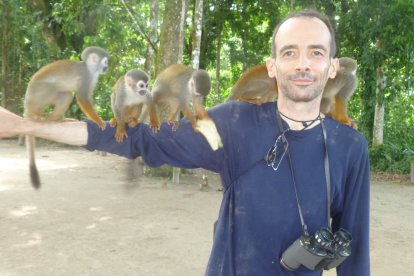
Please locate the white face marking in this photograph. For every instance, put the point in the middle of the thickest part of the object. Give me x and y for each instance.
(136, 93)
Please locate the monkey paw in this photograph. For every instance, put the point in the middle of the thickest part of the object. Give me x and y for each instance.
(119, 137)
(155, 127)
(101, 124)
(174, 124)
(112, 122)
(350, 122)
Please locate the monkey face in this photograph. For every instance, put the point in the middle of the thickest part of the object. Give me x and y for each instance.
(141, 87)
(137, 81)
(104, 66)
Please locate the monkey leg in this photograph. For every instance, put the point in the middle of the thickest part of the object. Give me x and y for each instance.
(340, 112)
(120, 132)
(90, 112)
(190, 116)
(62, 102)
(199, 109)
(174, 113)
(37, 115)
(132, 115)
(155, 125)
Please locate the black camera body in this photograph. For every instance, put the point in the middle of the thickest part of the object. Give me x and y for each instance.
(324, 250)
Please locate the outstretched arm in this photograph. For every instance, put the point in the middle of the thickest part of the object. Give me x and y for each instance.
(69, 132)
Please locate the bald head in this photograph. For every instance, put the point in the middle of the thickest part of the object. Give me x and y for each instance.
(314, 15)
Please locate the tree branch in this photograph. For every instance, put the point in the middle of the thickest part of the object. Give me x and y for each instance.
(137, 25)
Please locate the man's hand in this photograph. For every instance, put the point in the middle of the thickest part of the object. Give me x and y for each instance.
(10, 123)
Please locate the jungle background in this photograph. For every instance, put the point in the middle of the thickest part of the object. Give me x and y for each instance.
(224, 37)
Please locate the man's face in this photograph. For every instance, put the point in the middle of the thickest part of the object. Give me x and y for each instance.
(302, 65)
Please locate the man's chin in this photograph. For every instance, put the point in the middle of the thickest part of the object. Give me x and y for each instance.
(303, 97)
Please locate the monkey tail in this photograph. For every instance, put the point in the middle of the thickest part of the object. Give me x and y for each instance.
(34, 173)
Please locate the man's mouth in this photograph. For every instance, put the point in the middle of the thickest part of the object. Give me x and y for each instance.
(302, 81)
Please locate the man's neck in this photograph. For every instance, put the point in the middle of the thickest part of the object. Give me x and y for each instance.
(300, 115)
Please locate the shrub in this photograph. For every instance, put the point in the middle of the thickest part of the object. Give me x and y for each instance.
(391, 158)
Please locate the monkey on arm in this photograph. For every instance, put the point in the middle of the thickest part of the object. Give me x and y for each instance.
(255, 86)
(53, 85)
(179, 86)
(129, 94)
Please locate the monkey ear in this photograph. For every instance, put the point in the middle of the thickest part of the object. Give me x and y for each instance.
(129, 81)
(271, 66)
(92, 59)
(334, 67)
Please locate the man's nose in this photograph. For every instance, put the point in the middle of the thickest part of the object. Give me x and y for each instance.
(303, 63)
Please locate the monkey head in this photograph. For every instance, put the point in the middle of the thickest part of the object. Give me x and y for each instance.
(200, 83)
(96, 59)
(137, 81)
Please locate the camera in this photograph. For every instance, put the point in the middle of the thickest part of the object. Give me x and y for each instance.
(324, 250)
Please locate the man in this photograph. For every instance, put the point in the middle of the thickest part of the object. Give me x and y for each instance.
(272, 163)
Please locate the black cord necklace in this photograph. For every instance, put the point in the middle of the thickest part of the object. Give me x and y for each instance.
(306, 123)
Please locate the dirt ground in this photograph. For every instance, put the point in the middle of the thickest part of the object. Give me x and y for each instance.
(88, 220)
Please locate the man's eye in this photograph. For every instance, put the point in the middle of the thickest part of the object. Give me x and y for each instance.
(317, 53)
(288, 53)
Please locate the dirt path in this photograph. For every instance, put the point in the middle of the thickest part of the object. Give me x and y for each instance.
(87, 220)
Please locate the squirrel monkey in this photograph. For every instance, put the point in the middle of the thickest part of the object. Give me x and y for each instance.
(178, 86)
(53, 85)
(129, 94)
(255, 86)
(339, 90)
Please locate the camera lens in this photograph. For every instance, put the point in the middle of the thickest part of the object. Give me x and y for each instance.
(342, 238)
(324, 237)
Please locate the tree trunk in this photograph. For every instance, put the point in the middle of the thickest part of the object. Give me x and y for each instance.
(182, 30)
(220, 18)
(4, 54)
(51, 29)
(172, 44)
(378, 129)
(171, 37)
(197, 31)
(152, 35)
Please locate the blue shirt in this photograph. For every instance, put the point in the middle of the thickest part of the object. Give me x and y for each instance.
(258, 218)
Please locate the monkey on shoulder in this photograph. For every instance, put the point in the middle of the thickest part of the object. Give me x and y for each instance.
(339, 90)
(129, 94)
(53, 85)
(255, 86)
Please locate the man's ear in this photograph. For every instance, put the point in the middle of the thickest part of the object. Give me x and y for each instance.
(334, 67)
(271, 68)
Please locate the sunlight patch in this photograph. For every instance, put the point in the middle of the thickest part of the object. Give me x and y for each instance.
(24, 211)
(36, 239)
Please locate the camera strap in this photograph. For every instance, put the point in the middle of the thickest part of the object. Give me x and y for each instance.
(327, 173)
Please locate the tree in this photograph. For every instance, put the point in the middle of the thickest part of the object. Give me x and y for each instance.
(172, 43)
(172, 34)
(384, 32)
(197, 31)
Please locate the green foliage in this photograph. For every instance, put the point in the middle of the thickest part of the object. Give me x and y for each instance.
(391, 158)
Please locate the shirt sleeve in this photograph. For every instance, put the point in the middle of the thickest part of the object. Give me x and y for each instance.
(355, 215)
(183, 147)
